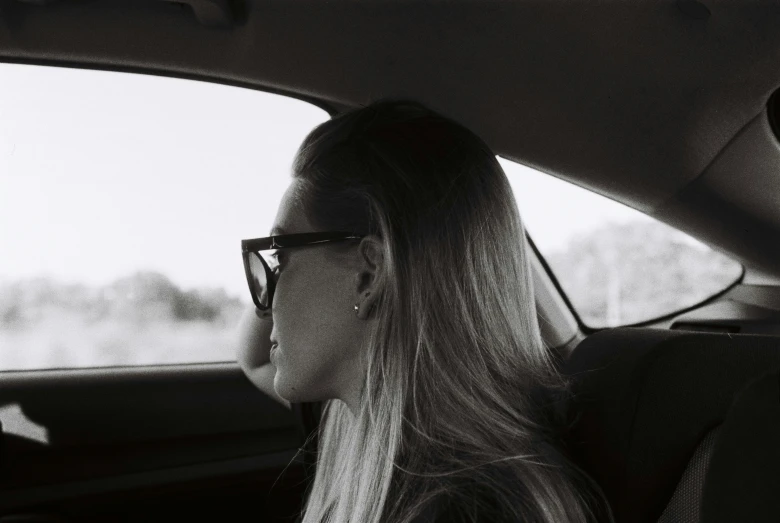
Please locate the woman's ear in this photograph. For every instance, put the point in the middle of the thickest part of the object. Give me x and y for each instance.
(369, 277)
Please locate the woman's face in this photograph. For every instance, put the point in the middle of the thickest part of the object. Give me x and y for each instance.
(320, 337)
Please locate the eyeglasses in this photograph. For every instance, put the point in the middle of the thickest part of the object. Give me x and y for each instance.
(260, 268)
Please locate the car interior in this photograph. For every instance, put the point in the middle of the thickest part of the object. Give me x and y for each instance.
(670, 107)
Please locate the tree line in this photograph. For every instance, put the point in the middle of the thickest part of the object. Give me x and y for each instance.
(619, 274)
(143, 297)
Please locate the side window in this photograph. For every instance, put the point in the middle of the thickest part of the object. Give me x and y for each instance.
(123, 200)
(616, 265)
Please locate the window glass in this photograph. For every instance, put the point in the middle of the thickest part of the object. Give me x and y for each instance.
(123, 200)
(616, 265)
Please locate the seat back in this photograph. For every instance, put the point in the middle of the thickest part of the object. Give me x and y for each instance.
(646, 398)
(743, 480)
(687, 500)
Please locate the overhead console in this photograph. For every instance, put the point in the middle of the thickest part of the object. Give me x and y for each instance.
(745, 309)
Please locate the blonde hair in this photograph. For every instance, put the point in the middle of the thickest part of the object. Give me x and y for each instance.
(462, 403)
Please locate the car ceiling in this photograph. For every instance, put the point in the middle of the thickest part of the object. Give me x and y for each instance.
(659, 104)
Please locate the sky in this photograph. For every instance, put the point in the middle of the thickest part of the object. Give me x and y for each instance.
(108, 173)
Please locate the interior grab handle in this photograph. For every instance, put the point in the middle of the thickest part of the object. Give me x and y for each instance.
(211, 13)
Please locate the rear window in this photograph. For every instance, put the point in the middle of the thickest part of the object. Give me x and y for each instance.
(616, 265)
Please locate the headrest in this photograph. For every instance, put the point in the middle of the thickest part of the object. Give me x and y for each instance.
(646, 397)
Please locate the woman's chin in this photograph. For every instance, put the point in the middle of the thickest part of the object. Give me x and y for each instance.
(283, 388)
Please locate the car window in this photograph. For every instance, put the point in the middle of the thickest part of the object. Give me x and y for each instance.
(123, 200)
(616, 265)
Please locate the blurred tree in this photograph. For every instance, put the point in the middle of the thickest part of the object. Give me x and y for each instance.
(143, 297)
(631, 272)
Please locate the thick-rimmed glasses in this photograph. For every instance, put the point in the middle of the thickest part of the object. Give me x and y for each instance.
(261, 263)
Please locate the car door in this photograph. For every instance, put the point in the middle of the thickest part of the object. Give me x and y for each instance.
(123, 200)
(158, 443)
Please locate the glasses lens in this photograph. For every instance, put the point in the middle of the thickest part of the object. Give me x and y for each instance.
(259, 283)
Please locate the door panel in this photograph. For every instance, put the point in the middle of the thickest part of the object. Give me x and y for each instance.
(196, 439)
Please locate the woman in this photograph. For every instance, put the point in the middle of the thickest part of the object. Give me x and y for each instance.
(416, 326)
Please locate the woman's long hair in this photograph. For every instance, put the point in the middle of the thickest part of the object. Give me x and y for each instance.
(462, 403)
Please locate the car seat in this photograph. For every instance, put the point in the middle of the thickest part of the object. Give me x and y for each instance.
(649, 412)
